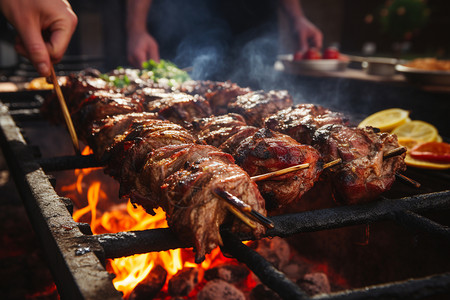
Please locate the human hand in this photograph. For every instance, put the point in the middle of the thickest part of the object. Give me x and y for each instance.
(34, 19)
(141, 47)
(308, 34)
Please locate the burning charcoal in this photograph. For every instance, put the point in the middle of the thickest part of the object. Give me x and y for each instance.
(228, 272)
(261, 292)
(314, 283)
(292, 271)
(151, 285)
(275, 250)
(219, 289)
(183, 282)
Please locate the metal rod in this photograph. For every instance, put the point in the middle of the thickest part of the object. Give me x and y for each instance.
(415, 221)
(62, 163)
(420, 288)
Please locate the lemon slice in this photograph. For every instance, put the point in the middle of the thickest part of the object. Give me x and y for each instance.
(387, 119)
(417, 130)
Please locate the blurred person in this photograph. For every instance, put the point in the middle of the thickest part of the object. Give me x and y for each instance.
(220, 36)
(44, 29)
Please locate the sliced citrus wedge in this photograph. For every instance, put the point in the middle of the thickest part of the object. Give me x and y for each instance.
(386, 120)
(417, 130)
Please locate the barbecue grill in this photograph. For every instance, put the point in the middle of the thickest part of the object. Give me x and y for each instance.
(76, 257)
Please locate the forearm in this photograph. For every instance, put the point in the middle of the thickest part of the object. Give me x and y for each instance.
(136, 15)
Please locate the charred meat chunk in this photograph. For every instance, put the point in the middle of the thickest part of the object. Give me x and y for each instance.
(176, 107)
(257, 106)
(130, 150)
(268, 151)
(217, 129)
(301, 121)
(363, 174)
(219, 94)
(104, 131)
(100, 105)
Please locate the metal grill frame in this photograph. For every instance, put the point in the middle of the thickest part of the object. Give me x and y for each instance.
(76, 257)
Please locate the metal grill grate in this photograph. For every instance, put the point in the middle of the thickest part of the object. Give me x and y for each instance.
(76, 257)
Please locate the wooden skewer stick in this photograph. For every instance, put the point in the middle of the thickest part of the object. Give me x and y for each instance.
(240, 215)
(394, 152)
(243, 208)
(332, 163)
(408, 180)
(65, 111)
(292, 169)
(279, 172)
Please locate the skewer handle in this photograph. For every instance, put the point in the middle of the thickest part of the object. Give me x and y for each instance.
(394, 152)
(242, 210)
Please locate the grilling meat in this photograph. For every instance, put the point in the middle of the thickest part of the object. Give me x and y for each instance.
(162, 164)
(104, 132)
(102, 104)
(257, 106)
(267, 151)
(175, 107)
(260, 151)
(183, 178)
(133, 143)
(219, 94)
(217, 129)
(130, 149)
(233, 142)
(301, 121)
(363, 174)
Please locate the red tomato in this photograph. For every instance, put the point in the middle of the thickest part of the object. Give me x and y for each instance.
(331, 53)
(432, 151)
(298, 55)
(312, 53)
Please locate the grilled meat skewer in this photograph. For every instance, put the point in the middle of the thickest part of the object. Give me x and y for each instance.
(261, 151)
(130, 140)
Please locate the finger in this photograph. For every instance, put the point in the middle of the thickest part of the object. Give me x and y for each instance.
(137, 58)
(318, 40)
(60, 35)
(154, 53)
(303, 42)
(35, 49)
(19, 47)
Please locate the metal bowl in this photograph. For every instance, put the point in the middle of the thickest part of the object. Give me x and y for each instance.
(424, 77)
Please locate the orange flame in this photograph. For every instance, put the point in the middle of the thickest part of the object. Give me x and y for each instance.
(129, 271)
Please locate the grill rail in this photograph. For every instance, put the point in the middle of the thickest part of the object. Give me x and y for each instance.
(68, 245)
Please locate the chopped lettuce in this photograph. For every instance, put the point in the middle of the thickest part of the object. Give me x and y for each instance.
(156, 71)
